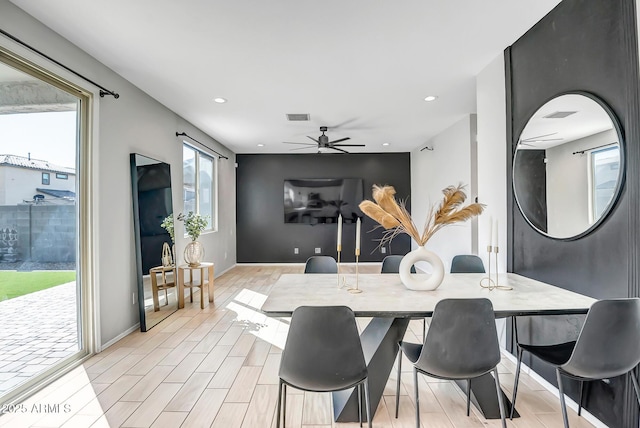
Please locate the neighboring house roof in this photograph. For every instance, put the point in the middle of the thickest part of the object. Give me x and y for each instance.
(41, 165)
(65, 194)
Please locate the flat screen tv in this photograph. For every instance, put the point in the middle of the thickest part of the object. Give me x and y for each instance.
(321, 200)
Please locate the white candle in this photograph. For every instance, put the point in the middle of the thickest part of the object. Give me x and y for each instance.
(340, 232)
(491, 231)
(358, 235)
(494, 239)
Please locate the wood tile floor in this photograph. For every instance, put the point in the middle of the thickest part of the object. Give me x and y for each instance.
(218, 367)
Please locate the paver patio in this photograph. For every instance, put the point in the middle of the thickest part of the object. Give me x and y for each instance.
(37, 331)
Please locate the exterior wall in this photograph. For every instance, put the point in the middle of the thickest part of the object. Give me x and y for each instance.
(38, 233)
(19, 184)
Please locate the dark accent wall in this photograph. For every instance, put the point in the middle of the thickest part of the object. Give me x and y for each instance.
(589, 46)
(263, 236)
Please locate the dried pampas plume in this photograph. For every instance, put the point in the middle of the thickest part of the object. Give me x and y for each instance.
(396, 219)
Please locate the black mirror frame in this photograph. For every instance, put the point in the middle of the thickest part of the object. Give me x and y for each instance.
(619, 184)
(138, 243)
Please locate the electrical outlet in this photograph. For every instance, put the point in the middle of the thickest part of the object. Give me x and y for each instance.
(296, 250)
(318, 250)
(383, 250)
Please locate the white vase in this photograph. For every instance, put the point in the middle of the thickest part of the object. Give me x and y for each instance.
(418, 281)
(194, 253)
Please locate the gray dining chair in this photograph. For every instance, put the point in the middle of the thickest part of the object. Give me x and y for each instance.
(321, 264)
(391, 264)
(467, 263)
(608, 346)
(323, 353)
(461, 344)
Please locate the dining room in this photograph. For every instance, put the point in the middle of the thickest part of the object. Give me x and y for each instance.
(539, 131)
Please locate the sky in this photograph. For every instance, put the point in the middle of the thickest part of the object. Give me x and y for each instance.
(47, 136)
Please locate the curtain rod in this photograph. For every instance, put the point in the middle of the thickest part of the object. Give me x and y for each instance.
(103, 91)
(179, 134)
(593, 148)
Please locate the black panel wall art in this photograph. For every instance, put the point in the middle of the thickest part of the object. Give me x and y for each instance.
(264, 237)
(586, 46)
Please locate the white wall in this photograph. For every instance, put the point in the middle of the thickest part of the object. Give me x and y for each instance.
(492, 157)
(133, 123)
(431, 171)
(568, 184)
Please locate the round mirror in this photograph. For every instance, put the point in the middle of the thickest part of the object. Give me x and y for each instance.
(568, 166)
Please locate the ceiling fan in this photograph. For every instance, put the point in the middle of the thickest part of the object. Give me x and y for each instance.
(323, 144)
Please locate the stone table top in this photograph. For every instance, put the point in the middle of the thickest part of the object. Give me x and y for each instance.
(385, 296)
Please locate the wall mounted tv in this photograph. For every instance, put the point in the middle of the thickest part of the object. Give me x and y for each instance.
(321, 200)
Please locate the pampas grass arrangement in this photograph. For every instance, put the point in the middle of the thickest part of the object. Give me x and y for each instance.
(396, 219)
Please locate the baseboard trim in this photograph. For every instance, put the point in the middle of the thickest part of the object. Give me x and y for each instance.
(119, 337)
(552, 389)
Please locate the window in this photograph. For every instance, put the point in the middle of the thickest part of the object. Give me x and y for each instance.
(605, 164)
(200, 184)
(61, 176)
(46, 179)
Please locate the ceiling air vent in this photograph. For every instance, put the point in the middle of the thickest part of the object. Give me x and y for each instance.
(298, 117)
(559, 115)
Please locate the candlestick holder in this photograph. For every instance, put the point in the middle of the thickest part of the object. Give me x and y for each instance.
(487, 281)
(356, 290)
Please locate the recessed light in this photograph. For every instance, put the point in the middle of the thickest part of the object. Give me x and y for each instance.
(220, 100)
(430, 98)
(385, 144)
(260, 145)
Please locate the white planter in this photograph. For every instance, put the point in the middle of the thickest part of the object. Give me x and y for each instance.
(421, 281)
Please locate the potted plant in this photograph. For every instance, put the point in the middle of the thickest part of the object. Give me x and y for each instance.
(169, 256)
(194, 224)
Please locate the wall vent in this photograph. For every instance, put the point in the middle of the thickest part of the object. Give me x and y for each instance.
(298, 117)
(559, 115)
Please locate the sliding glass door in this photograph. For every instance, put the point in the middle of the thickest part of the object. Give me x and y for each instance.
(42, 295)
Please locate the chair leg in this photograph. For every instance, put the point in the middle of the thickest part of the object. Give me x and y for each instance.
(581, 397)
(415, 389)
(398, 381)
(279, 404)
(368, 403)
(636, 387)
(424, 329)
(515, 383)
(360, 404)
(500, 398)
(468, 395)
(563, 404)
(284, 404)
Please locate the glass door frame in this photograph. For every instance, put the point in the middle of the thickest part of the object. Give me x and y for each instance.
(87, 302)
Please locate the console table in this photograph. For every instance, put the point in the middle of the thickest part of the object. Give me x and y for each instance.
(202, 267)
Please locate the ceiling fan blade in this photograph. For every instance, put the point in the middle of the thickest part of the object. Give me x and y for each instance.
(539, 136)
(302, 144)
(313, 139)
(340, 150)
(349, 145)
(341, 139)
(310, 146)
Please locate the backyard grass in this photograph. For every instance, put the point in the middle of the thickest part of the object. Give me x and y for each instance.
(14, 284)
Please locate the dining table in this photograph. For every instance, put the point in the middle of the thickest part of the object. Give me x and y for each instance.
(391, 305)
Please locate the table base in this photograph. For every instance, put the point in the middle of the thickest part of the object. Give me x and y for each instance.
(380, 346)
